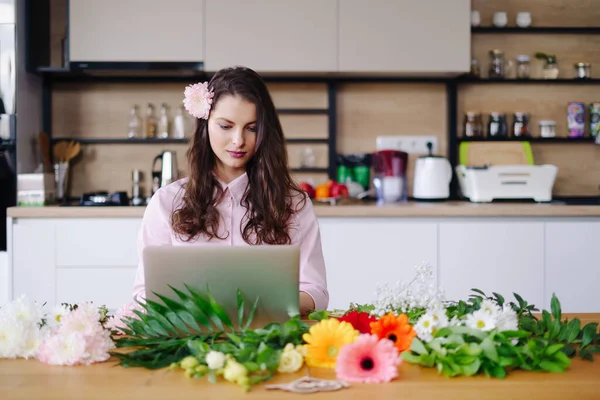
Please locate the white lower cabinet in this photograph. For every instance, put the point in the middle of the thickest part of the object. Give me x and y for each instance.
(494, 256)
(95, 259)
(360, 253)
(573, 265)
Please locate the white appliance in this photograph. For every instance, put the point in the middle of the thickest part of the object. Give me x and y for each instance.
(484, 184)
(432, 178)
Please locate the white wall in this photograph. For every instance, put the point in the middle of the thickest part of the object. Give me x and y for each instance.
(5, 281)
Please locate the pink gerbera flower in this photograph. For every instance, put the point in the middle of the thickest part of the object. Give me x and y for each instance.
(369, 360)
(198, 100)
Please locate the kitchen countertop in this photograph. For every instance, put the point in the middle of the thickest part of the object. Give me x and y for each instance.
(409, 209)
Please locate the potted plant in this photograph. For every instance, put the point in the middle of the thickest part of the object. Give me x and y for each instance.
(550, 70)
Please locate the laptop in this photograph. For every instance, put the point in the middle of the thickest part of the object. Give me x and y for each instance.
(270, 272)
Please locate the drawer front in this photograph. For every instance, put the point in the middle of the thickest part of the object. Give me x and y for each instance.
(97, 242)
(111, 287)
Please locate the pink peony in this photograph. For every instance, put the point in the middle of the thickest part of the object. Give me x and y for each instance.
(116, 322)
(368, 359)
(198, 100)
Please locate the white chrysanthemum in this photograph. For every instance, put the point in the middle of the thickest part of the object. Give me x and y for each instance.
(490, 307)
(24, 310)
(32, 338)
(11, 337)
(424, 327)
(438, 313)
(63, 349)
(507, 319)
(58, 312)
(481, 320)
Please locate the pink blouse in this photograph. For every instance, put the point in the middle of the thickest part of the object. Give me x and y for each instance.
(156, 230)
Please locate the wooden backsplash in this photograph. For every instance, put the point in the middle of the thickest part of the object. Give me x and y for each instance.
(365, 111)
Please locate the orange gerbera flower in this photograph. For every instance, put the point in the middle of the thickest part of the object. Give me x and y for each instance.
(395, 328)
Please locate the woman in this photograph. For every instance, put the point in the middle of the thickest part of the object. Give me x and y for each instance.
(239, 190)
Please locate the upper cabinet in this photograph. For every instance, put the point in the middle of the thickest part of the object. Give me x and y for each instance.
(405, 36)
(136, 31)
(272, 35)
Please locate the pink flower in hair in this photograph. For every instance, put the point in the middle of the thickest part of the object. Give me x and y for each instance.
(198, 100)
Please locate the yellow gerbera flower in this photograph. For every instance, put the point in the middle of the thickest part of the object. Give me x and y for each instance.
(325, 340)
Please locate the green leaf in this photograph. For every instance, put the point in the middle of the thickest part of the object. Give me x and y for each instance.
(157, 312)
(270, 357)
(585, 354)
(555, 306)
(522, 303)
(251, 315)
(499, 299)
(455, 339)
(410, 357)
(235, 339)
(554, 329)
(198, 347)
(498, 371)
(489, 349)
(205, 306)
(562, 359)
(589, 331)
(594, 349)
(220, 312)
(200, 317)
(569, 351)
(418, 347)
(473, 349)
(573, 330)
(478, 291)
(465, 330)
(251, 366)
(507, 361)
(443, 332)
(551, 366)
(173, 314)
(550, 350)
(471, 369)
(547, 318)
(318, 315)
(527, 324)
(515, 334)
(240, 308)
(427, 360)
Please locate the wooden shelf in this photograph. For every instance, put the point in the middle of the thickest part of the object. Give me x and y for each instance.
(562, 140)
(533, 81)
(538, 30)
(311, 170)
(164, 141)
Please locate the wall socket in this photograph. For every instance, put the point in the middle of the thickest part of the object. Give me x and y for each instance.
(408, 144)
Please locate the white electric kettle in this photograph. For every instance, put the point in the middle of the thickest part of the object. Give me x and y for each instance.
(432, 178)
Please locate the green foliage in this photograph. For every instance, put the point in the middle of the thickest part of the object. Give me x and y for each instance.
(195, 324)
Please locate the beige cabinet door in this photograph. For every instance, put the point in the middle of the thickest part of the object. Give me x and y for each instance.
(405, 36)
(136, 30)
(272, 35)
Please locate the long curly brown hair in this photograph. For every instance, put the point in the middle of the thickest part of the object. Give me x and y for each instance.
(269, 197)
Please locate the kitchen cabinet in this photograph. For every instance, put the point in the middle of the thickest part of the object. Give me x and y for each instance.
(136, 31)
(573, 265)
(405, 36)
(272, 35)
(362, 253)
(502, 256)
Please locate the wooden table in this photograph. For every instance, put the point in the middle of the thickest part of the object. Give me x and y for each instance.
(30, 379)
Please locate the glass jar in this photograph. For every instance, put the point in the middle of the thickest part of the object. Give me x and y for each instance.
(473, 125)
(547, 129)
(583, 70)
(523, 67)
(550, 70)
(520, 125)
(475, 71)
(496, 70)
(497, 127)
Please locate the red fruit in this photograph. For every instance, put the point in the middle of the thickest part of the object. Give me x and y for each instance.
(310, 191)
(338, 190)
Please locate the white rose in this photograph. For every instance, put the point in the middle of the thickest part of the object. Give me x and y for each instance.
(235, 372)
(291, 360)
(215, 359)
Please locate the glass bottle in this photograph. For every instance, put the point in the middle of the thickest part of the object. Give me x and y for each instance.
(163, 122)
(179, 123)
(520, 126)
(150, 121)
(135, 123)
(473, 125)
(497, 127)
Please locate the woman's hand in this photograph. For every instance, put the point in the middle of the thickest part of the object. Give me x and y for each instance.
(307, 305)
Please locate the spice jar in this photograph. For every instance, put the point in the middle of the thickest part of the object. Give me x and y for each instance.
(548, 129)
(520, 125)
(496, 69)
(583, 70)
(497, 127)
(523, 67)
(475, 72)
(473, 125)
